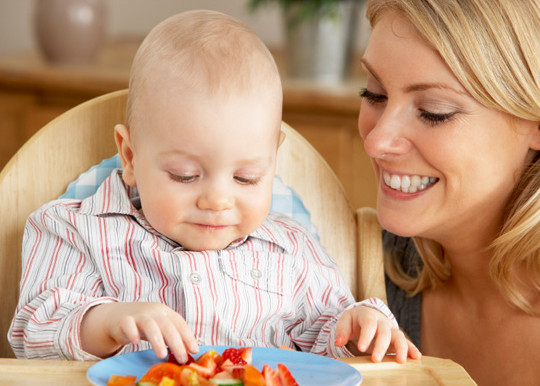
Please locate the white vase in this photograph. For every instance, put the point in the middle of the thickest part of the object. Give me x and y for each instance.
(70, 31)
(319, 47)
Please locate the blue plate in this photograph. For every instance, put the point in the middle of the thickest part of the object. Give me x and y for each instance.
(307, 369)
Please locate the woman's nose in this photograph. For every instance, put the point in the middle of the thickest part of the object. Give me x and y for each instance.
(215, 199)
(385, 137)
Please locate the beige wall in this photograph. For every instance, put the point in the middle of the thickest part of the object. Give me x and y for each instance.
(137, 17)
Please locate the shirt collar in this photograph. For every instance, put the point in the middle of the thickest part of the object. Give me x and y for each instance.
(113, 196)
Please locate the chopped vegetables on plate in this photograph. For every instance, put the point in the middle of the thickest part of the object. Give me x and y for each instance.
(233, 368)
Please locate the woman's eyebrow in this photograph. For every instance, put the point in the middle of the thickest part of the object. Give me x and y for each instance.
(370, 69)
(415, 87)
(434, 85)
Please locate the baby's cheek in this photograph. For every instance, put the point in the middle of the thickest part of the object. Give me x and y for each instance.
(259, 210)
(159, 214)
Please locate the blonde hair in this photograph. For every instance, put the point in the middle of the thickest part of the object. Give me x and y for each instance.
(492, 47)
(207, 51)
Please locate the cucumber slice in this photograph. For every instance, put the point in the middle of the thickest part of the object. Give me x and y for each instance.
(226, 381)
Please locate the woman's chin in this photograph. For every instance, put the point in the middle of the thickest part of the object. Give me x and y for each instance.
(397, 223)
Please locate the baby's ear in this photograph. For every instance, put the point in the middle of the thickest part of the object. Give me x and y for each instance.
(281, 137)
(125, 151)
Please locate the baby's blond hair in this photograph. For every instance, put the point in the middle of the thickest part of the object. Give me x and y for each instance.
(206, 51)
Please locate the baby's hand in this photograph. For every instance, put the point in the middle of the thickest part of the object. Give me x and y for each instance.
(370, 330)
(155, 322)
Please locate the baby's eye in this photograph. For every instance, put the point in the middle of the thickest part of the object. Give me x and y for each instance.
(185, 179)
(371, 97)
(247, 180)
(435, 119)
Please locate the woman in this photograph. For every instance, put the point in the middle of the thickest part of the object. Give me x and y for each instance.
(451, 120)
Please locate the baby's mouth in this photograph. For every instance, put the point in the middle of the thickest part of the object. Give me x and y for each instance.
(408, 184)
(211, 226)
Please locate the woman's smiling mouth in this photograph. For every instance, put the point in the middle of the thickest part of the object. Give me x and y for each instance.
(407, 183)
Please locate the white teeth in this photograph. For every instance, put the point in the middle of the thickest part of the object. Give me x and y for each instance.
(395, 182)
(405, 183)
(408, 184)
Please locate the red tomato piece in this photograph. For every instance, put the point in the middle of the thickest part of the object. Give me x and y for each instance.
(160, 370)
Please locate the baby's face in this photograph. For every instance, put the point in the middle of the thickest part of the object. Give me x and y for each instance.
(204, 165)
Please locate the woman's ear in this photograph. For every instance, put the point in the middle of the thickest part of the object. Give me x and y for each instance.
(122, 138)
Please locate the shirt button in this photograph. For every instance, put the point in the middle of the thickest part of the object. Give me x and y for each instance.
(256, 274)
(195, 278)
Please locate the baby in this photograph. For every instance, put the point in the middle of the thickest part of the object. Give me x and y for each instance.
(178, 248)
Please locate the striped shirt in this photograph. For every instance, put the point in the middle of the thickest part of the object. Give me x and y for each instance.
(277, 287)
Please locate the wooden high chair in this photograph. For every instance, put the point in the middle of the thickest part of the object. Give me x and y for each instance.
(41, 170)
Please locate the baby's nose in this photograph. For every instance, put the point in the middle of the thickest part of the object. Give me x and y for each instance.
(216, 200)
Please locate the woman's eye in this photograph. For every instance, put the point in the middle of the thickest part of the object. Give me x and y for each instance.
(371, 97)
(435, 119)
(247, 180)
(183, 179)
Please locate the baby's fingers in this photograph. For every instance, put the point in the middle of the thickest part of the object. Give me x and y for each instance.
(414, 353)
(180, 340)
(127, 331)
(401, 345)
(151, 331)
(382, 342)
(367, 333)
(343, 330)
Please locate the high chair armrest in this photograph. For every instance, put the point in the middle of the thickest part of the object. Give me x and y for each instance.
(370, 261)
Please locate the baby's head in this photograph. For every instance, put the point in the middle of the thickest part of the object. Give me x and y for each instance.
(203, 129)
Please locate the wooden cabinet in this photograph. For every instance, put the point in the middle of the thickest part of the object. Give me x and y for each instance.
(33, 92)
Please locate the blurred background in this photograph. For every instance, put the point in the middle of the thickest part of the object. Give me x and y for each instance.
(34, 89)
(137, 17)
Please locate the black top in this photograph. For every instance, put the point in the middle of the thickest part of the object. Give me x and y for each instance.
(406, 309)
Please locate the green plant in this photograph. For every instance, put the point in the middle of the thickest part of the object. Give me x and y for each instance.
(299, 10)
